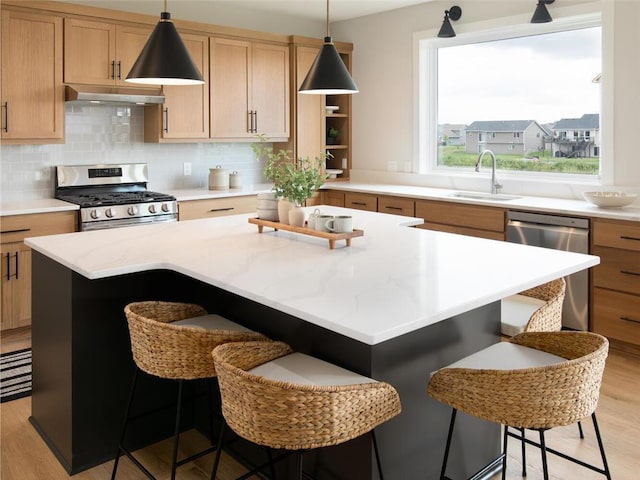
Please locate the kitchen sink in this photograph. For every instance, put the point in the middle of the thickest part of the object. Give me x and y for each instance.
(495, 197)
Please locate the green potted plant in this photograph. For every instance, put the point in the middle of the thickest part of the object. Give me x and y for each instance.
(293, 180)
(332, 135)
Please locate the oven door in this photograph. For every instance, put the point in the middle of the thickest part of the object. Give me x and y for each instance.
(127, 222)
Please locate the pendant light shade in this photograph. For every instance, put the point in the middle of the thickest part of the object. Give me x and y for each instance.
(541, 14)
(165, 60)
(328, 74)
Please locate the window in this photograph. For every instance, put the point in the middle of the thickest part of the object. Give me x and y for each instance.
(531, 82)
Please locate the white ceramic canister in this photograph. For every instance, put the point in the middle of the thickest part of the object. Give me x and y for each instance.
(234, 180)
(218, 178)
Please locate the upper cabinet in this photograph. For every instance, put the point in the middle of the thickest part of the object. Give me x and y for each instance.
(249, 90)
(100, 53)
(185, 113)
(32, 90)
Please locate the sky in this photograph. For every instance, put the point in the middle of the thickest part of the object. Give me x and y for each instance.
(543, 77)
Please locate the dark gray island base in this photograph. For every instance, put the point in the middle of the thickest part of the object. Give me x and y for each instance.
(82, 368)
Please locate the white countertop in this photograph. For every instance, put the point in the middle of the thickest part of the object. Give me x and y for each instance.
(43, 205)
(184, 195)
(389, 282)
(560, 206)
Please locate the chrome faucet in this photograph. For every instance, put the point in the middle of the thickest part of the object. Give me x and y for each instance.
(495, 185)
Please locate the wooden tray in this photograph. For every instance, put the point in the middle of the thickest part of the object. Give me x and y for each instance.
(332, 237)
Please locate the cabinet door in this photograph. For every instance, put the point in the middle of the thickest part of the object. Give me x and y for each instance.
(89, 52)
(230, 74)
(309, 109)
(217, 207)
(129, 43)
(270, 90)
(32, 89)
(185, 113)
(15, 286)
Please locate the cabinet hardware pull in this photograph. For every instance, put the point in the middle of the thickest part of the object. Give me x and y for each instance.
(250, 121)
(119, 70)
(17, 258)
(389, 207)
(226, 209)
(255, 121)
(8, 266)
(113, 69)
(359, 203)
(6, 117)
(628, 272)
(624, 237)
(15, 231)
(629, 319)
(166, 120)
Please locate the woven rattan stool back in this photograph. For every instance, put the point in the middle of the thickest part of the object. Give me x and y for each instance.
(173, 351)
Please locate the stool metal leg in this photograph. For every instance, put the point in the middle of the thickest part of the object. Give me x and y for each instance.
(505, 436)
(543, 452)
(580, 430)
(446, 448)
(176, 434)
(607, 473)
(216, 462)
(299, 465)
(124, 423)
(377, 453)
(524, 454)
(272, 466)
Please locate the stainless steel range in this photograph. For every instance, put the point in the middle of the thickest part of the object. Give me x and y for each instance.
(113, 195)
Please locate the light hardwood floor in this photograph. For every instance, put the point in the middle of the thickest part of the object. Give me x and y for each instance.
(24, 456)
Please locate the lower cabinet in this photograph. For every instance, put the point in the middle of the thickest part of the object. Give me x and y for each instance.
(396, 205)
(616, 281)
(216, 207)
(15, 285)
(361, 201)
(472, 220)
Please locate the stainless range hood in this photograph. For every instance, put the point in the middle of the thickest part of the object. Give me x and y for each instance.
(93, 95)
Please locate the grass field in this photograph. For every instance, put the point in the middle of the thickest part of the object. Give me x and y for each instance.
(455, 156)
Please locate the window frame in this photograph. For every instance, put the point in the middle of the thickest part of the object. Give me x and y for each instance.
(426, 44)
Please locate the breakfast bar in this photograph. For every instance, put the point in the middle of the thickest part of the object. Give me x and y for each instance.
(395, 305)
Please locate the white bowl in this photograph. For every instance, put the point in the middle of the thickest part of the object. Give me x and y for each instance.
(332, 108)
(609, 199)
(333, 172)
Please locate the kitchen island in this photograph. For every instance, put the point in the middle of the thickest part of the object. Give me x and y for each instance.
(395, 305)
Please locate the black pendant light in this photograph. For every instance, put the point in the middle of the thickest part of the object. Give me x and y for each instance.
(542, 15)
(165, 60)
(328, 75)
(446, 30)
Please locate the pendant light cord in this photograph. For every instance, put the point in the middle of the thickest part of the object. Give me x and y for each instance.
(328, 34)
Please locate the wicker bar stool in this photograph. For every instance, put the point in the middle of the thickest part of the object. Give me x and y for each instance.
(537, 381)
(173, 341)
(284, 400)
(538, 309)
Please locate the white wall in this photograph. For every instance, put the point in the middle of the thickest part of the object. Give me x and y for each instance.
(383, 111)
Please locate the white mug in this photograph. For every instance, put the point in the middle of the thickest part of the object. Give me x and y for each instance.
(322, 222)
(340, 224)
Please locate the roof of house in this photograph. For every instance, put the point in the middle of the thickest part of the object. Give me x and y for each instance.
(588, 120)
(500, 126)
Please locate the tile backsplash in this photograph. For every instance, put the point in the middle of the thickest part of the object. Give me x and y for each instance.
(109, 134)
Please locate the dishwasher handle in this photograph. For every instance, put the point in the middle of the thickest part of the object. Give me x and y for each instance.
(519, 225)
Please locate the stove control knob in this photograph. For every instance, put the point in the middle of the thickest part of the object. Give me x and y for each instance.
(165, 207)
(109, 212)
(152, 209)
(132, 211)
(95, 214)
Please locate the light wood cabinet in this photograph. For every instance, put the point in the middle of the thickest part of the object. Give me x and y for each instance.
(216, 207)
(32, 105)
(101, 53)
(333, 197)
(15, 284)
(361, 201)
(185, 113)
(396, 205)
(616, 280)
(473, 220)
(249, 90)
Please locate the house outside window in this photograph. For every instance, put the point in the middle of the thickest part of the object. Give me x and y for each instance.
(521, 122)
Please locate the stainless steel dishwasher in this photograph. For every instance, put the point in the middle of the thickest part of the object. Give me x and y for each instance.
(560, 233)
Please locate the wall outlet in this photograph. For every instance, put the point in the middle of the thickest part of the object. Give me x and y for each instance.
(186, 167)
